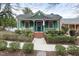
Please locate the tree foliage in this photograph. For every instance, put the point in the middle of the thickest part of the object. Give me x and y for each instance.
(27, 11)
(6, 17)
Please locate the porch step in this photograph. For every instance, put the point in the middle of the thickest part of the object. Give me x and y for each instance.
(38, 34)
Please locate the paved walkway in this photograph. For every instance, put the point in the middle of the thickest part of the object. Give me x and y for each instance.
(40, 44)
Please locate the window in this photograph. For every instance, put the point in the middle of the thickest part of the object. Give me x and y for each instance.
(50, 24)
(55, 24)
(31, 23)
(26, 24)
(22, 23)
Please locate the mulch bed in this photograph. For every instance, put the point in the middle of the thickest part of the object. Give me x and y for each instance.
(21, 53)
(34, 53)
(50, 53)
(16, 53)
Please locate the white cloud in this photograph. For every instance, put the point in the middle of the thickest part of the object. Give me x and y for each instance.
(65, 10)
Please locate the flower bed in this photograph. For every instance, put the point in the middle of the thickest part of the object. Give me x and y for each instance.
(16, 46)
(11, 36)
(59, 38)
(70, 50)
(73, 50)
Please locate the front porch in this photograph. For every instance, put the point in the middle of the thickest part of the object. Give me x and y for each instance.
(39, 25)
(39, 22)
(72, 26)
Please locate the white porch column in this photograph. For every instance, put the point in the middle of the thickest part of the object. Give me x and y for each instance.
(33, 25)
(43, 25)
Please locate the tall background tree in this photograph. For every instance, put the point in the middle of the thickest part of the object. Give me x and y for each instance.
(7, 17)
(1, 13)
(27, 11)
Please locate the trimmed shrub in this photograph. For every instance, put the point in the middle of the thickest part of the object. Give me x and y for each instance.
(23, 38)
(3, 45)
(14, 46)
(16, 37)
(11, 37)
(28, 47)
(24, 32)
(60, 50)
(54, 32)
(72, 32)
(60, 39)
(18, 31)
(28, 33)
(1, 28)
(64, 29)
(61, 32)
(49, 38)
(73, 50)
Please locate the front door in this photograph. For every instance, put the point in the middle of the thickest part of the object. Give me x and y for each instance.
(38, 26)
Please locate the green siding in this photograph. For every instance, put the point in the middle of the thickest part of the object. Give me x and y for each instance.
(55, 24)
(46, 24)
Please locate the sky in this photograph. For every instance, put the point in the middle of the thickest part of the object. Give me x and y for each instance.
(66, 10)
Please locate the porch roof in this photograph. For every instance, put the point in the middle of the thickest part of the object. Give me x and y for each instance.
(71, 20)
(39, 15)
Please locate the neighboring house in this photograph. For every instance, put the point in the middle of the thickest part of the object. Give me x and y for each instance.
(71, 23)
(39, 22)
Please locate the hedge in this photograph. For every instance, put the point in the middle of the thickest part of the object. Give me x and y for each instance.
(60, 50)
(28, 47)
(3, 45)
(14, 46)
(60, 39)
(16, 37)
(73, 50)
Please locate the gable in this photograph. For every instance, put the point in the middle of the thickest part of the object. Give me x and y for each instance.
(38, 15)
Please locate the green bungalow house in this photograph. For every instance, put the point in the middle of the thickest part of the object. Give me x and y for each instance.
(39, 22)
